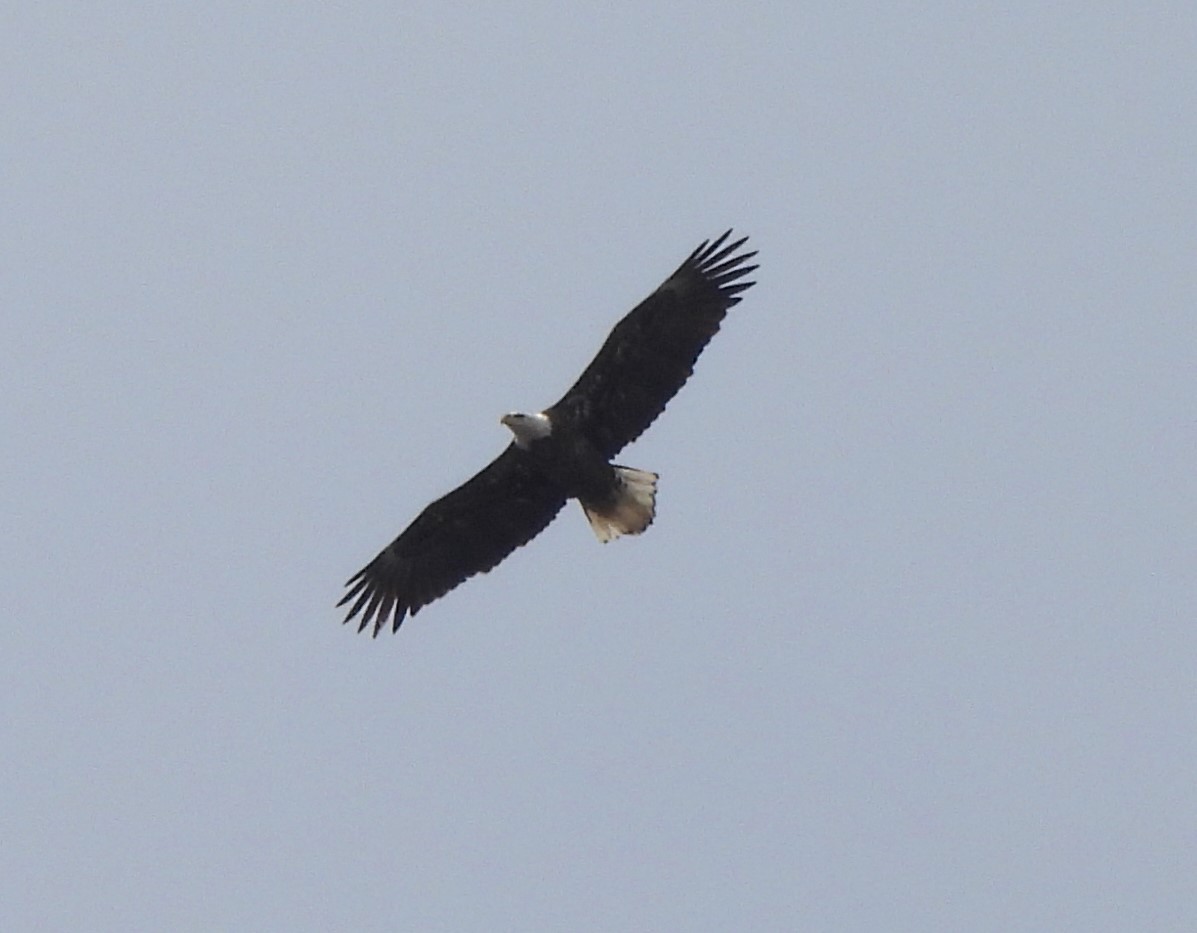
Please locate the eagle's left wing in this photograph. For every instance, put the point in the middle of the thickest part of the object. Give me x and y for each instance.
(468, 531)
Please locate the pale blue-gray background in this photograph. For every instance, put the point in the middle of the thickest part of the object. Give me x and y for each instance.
(911, 645)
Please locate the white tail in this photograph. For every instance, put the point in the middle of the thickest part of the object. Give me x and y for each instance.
(634, 507)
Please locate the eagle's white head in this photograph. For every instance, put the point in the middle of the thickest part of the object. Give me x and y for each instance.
(527, 428)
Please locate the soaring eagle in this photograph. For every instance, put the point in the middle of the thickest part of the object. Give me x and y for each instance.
(565, 451)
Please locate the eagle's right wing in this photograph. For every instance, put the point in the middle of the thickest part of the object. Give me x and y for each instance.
(650, 354)
(468, 531)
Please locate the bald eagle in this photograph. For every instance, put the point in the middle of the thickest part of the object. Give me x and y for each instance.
(563, 452)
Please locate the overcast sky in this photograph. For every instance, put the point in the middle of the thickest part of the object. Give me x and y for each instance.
(911, 644)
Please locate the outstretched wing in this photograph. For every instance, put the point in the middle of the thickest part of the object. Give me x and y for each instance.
(468, 531)
(650, 354)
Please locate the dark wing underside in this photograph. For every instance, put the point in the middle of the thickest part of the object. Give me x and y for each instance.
(468, 531)
(651, 353)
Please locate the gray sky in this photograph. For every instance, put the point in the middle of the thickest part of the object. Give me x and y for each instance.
(911, 645)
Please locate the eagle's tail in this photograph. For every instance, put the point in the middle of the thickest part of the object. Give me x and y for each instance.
(634, 508)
